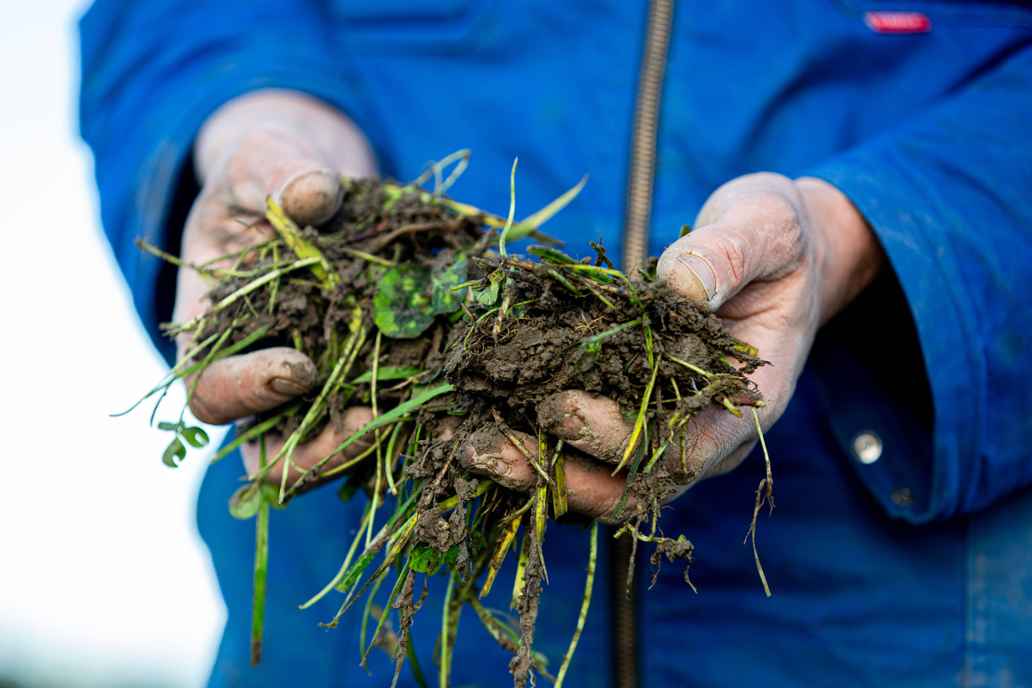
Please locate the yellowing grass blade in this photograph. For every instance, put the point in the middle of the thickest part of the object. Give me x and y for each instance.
(291, 236)
(508, 535)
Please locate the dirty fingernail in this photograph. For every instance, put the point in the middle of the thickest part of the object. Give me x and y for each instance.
(558, 418)
(287, 386)
(312, 198)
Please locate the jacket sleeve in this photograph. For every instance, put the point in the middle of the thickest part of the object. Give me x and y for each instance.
(152, 72)
(949, 196)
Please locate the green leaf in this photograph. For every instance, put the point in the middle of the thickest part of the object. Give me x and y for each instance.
(444, 297)
(195, 436)
(174, 454)
(169, 426)
(419, 398)
(428, 560)
(488, 296)
(403, 304)
(425, 559)
(550, 255)
(351, 578)
(245, 501)
(410, 296)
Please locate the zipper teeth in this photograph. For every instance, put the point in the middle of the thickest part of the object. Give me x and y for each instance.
(640, 184)
(646, 125)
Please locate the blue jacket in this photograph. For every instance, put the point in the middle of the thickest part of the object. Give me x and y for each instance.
(915, 569)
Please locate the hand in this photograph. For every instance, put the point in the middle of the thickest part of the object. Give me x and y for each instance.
(774, 259)
(294, 148)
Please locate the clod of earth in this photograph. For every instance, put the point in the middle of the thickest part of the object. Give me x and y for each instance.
(407, 302)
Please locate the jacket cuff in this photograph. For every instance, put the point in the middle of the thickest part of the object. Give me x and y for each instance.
(911, 332)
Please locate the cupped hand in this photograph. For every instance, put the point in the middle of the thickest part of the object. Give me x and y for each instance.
(774, 259)
(295, 149)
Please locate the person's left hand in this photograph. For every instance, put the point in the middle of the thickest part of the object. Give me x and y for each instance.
(774, 258)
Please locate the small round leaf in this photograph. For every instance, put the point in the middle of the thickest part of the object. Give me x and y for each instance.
(174, 454)
(195, 436)
(245, 501)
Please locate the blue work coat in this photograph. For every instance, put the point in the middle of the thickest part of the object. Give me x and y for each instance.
(914, 568)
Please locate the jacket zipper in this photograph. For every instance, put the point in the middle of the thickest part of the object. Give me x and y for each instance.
(640, 183)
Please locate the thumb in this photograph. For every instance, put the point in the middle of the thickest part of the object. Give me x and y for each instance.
(758, 239)
(311, 196)
(270, 162)
(708, 266)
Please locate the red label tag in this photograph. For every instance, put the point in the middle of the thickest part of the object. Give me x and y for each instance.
(898, 22)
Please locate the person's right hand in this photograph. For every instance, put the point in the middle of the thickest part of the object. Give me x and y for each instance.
(295, 149)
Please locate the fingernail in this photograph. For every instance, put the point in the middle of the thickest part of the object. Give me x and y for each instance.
(486, 463)
(704, 273)
(312, 197)
(480, 459)
(287, 387)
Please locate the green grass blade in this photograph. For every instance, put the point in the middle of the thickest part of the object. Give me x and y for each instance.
(529, 224)
(447, 639)
(504, 543)
(639, 422)
(504, 237)
(261, 567)
(387, 373)
(252, 432)
(393, 415)
(589, 583)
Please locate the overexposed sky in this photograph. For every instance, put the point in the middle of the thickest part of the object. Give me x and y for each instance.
(103, 580)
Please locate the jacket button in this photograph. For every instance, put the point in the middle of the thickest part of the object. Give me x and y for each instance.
(868, 447)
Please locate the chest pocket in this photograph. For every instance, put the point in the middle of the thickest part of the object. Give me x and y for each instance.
(952, 14)
(379, 26)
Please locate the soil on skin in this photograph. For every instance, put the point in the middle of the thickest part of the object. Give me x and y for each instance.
(503, 355)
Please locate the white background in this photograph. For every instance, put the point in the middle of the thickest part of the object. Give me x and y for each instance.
(103, 580)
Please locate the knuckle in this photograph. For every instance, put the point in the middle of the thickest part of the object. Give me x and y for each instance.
(256, 398)
(707, 441)
(731, 249)
(204, 411)
(781, 225)
(356, 417)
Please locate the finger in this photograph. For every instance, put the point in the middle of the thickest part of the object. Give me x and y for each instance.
(704, 445)
(759, 240)
(590, 489)
(311, 196)
(311, 453)
(588, 422)
(270, 162)
(714, 441)
(247, 384)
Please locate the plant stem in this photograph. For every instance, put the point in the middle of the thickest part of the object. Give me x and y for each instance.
(639, 422)
(512, 210)
(447, 639)
(589, 583)
(261, 567)
(764, 493)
